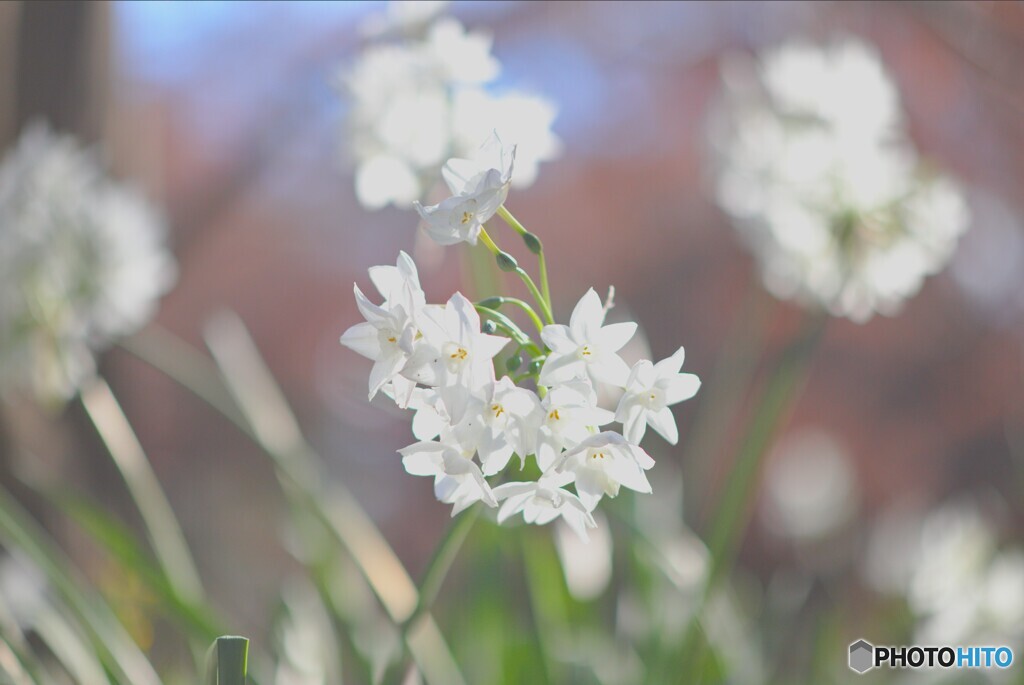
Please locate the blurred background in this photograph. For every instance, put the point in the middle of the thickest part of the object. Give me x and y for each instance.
(227, 115)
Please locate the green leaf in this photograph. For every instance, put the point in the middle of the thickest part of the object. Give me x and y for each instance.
(227, 661)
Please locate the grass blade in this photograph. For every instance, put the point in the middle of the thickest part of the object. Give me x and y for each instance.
(161, 524)
(227, 661)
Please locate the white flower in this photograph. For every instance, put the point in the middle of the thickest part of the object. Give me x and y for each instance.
(650, 391)
(586, 348)
(604, 462)
(521, 119)
(454, 355)
(422, 92)
(457, 479)
(543, 501)
(82, 262)
(822, 180)
(479, 187)
(569, 415)
(500, 423)
(390, 334)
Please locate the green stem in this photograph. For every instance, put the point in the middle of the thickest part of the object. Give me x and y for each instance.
(542, 262)
(732, 514)
(157, 514)
(545, 308)
(525, 306)
(445, 552)
(506, 324)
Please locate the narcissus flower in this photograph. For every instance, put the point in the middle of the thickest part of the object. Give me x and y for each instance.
(422, 90)
(604, 462)
(650, 390)
(819, 174)
(479, 187)
(586, 348)
(543, 501)
(83, 261)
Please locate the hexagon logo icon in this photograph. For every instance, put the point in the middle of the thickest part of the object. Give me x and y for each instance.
(862, 656)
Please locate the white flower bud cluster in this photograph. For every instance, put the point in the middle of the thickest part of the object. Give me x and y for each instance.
(82, 262)
(819, 174)
(422, 90)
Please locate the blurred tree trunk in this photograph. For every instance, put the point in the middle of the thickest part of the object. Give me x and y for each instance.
(61, 66)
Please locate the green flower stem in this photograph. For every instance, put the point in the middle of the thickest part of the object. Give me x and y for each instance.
(721, 398)
(157, 514)
(441, 561)
(733, 512)
(506, 324)
(532, 287)
(525, 306)
(542, 262)
(545, 308)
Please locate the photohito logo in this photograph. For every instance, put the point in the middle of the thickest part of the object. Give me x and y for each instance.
(864, 656)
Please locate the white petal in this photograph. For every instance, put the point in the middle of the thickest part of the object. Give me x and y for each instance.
(681, 387)
(560, 368)
(671, 365)
(559, 339)
(626, 472)
(587, 317)
(362, 339)
(612, 338)
(384, 370)
(633, 418)
(610, 369)
(590, 488)
(664, 423)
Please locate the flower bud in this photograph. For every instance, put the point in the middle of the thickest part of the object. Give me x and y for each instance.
(513, 362)
(492, 302)
(506, 262)
(536, 365)
(489, 327)
(533, 243)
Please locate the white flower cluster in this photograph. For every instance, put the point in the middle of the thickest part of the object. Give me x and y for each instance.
(82, 261)
(819, 174)
(438, 361)
(422, 91)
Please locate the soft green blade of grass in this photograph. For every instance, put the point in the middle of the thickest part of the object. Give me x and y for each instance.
(274, 426)
(120, 543)
(68, 644)
(161, 524)
(116, 650)
(227, 661)
(240, 387)
(13, 668)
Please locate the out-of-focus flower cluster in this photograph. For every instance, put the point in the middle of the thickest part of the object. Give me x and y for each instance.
(962, 585)
(421, 91)
(817, 170)
(82, 261)
(437, 361)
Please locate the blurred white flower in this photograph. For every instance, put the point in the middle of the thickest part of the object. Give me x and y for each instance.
(421, 92)
(818, 173)
(810, 487)
(961, 584)
(82, 262)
